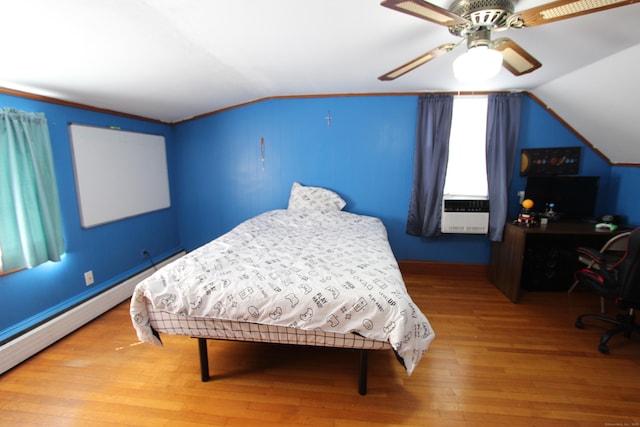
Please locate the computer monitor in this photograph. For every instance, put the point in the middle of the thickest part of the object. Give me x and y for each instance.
(574, 196)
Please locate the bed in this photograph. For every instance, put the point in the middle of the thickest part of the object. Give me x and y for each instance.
(311, 274)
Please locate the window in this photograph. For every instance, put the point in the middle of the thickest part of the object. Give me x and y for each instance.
(497, 115)
(467, 167)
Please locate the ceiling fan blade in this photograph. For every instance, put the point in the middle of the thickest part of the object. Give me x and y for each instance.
(425, 10)
(420, 60)
(565, 9)
(514, 58)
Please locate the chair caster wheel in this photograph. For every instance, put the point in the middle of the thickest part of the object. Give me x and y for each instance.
(603, 348)
(579, 324)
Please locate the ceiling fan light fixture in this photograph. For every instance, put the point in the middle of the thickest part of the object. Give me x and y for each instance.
(477, 65)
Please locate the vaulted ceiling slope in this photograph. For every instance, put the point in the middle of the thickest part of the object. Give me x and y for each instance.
(170, 60)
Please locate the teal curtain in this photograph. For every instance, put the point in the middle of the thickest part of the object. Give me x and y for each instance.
(30, 219)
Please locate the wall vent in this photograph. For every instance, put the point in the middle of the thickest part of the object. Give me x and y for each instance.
(465, 215)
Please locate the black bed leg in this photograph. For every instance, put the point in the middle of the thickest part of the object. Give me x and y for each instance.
(204, 359)
(362, 379)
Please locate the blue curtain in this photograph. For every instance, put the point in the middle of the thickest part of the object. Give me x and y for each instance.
(30, 219)
(503, 126)
(430, 164)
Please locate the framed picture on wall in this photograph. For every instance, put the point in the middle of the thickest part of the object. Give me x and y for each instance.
(550, 161)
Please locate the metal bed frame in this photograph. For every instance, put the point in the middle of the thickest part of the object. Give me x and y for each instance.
(204, 329)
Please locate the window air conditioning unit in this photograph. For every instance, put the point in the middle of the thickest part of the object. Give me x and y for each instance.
(463, 214)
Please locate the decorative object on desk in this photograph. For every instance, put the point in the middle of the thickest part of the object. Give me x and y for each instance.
(526, 216)
(548, 214)
(609, 218)
(606, 226)
(607, 223)
(550, 161)
(549, 211)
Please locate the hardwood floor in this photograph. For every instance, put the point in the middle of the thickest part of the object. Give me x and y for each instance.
(492, 363)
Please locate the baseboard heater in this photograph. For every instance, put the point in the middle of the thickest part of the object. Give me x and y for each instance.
(26, 345)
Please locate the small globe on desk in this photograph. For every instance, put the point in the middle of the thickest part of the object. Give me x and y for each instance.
(526, 217)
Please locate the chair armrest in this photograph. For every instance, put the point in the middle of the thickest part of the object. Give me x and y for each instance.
(593, 255)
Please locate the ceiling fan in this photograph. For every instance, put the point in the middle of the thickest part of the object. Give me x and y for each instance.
(476, 20)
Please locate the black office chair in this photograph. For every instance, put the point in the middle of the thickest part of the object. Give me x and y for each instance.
(612, 251)
(619, 282)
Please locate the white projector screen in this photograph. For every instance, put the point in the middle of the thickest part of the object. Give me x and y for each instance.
(119, 174)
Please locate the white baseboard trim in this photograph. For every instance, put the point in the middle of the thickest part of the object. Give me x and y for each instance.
(26, 345)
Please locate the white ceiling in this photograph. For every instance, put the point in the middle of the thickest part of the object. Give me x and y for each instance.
(170, 60)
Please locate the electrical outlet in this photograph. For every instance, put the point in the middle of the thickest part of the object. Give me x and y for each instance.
(88, 277)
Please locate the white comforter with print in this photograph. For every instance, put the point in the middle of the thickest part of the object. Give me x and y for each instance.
(307, 269)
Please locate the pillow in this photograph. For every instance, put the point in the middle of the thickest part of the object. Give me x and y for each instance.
(304, 197)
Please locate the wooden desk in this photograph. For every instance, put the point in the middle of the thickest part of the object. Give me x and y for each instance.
(508, 257)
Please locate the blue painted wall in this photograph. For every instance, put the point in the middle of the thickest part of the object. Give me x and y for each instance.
(218, 180)
(540, 129)
(624, 193)
(365, 154)
(112, 250)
